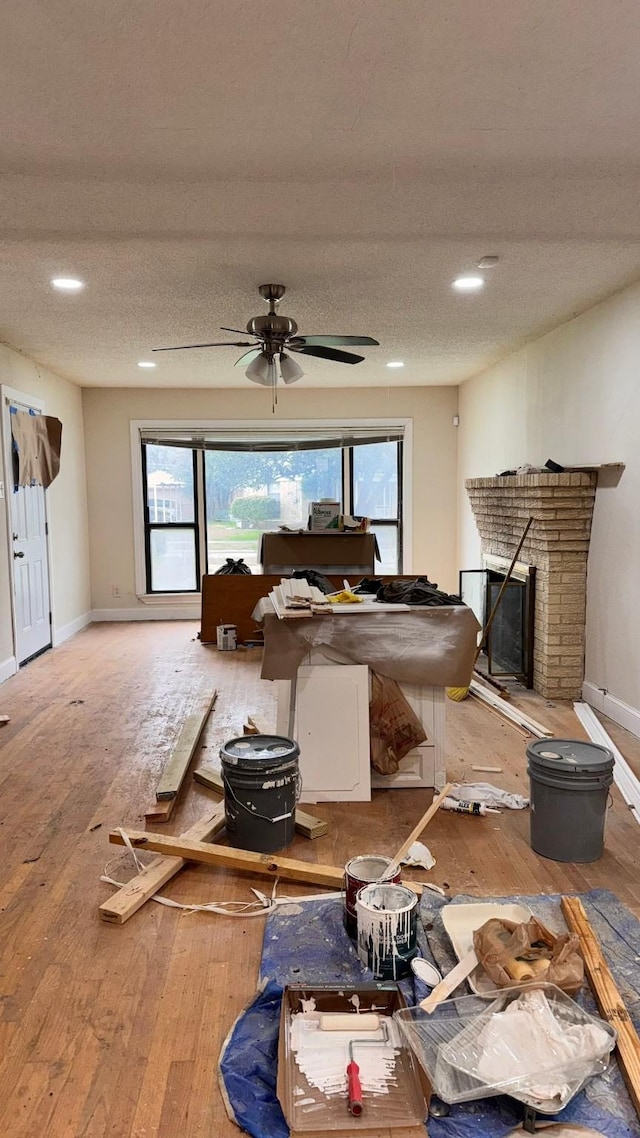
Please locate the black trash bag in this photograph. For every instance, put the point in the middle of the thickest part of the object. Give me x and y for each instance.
(419, 591)
(368, 585)
(233, 567)
(315, 578)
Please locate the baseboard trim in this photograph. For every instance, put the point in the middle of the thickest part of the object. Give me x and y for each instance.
(8, 668)
(70, 629)
(168, 612)
(621, 713)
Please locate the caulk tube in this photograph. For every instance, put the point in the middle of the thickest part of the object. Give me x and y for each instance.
(466, 807)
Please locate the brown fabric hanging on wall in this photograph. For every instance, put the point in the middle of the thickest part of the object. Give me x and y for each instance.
(38, 439)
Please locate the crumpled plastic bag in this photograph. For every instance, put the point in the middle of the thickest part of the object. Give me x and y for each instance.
(490, 795)
(525, 954)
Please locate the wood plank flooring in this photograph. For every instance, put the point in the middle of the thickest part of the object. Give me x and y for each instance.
(115, 1030)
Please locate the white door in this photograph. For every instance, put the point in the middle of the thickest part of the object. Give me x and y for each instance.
(30, 570)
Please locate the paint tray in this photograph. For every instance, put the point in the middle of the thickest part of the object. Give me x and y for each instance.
(311, 1110)
(460, 923)
(452, 1046)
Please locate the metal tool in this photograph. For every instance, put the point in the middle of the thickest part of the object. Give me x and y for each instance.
(354, 1085)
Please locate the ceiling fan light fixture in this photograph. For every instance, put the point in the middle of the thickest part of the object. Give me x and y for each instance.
(289, 369)
(263, 370)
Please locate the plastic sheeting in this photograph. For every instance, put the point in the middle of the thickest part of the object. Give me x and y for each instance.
(306, 942)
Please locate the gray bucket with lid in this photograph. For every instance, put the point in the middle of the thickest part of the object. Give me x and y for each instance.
(261, 788)
(570, 783)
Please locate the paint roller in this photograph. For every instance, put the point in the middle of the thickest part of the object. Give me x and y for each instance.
(367, 1021)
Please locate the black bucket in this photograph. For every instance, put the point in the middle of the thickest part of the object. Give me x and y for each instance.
(261, 788)
(570, 783)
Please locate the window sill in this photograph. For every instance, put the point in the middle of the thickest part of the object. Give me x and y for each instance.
(169, 598)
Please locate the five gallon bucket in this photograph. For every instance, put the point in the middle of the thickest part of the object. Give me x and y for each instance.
(387, 929)
(261, 788)
(358, 872)
(570, 783)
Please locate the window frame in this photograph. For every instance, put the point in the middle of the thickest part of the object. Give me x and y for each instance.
(181, 601)
(150, 527)
(397, 522)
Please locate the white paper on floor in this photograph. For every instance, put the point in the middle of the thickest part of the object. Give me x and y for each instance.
(419, 854)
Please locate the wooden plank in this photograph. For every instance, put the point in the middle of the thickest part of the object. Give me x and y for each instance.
(132, 896)
(417, 830)
(514, 714)
(608, 998)
(271, 865)
(174, 772)
(160, 811)
(306, 824)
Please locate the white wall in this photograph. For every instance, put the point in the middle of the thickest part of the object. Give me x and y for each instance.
(574, 396)
(66, 503)
(108, 412)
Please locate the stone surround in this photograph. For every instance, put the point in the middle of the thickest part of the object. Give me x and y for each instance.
(557, 544)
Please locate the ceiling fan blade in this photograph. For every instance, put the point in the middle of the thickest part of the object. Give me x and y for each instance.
(220, 344)
(337, 341)
(248, 357)
(329, 354)
(242, 331)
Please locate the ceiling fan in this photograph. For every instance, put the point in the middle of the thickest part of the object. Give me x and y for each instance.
(273, 334)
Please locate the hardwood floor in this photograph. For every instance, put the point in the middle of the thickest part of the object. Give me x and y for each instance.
(116, 1030)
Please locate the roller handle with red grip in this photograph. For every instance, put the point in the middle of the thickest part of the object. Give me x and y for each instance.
(355, 1089)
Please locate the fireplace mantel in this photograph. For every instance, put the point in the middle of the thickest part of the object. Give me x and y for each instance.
(561, 506)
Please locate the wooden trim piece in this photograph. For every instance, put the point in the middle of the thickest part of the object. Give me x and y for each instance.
(608, 998)
(132, 896)
(509, 711)
(183, 751)
(417, 830)
(306, 824)
(271, 865)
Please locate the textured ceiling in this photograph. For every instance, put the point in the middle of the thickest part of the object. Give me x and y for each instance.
(363, 152)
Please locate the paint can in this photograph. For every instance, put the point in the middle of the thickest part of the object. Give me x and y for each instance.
(358, 872)
(261, 789)
(387, 929)
(227, 637)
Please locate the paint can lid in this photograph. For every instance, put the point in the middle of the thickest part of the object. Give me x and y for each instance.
(259, 752)
(570, 755)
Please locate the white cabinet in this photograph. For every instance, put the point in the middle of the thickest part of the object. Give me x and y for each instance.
(332, 728)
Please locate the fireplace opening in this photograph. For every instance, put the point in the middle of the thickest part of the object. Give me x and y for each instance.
(509, 647)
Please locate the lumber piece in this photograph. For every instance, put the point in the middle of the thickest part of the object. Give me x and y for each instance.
(121, 905)
(256, 726)
(4, 719)
(509, 711)
(160, 811)
(306, 824)
(452, 980)
(417, 830)
(176, 768)
(625, 779)
(608, 998)
(271, 865)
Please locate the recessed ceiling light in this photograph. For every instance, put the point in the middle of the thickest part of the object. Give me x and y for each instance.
(67, 284)
(146, 363)
(468, 283)
(395, 363)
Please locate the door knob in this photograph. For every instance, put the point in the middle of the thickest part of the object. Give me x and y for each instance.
(18, 555)
(15, 536)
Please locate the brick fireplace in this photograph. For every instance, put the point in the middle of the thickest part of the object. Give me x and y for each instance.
(557, 544)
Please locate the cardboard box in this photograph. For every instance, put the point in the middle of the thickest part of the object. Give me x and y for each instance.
(401, 1113)
(324, 515)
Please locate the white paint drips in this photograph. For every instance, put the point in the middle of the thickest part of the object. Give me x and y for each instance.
(322, 1056)
(384, 921)
(355, 1000)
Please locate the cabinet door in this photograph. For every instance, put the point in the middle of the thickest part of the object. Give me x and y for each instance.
(332, 731)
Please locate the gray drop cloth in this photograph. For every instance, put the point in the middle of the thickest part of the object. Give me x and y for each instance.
(426, 646)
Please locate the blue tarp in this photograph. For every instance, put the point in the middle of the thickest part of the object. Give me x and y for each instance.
(306, 943)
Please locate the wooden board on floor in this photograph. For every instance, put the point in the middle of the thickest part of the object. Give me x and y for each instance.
(132, 896)
(271, 865)
(306, 824)
(183, 751)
